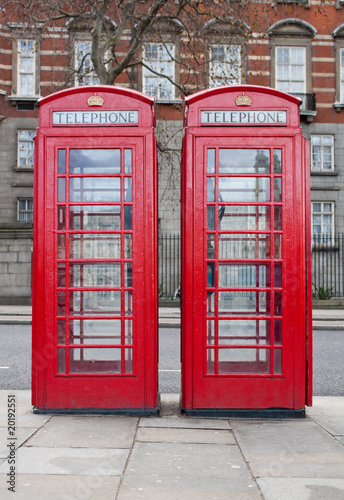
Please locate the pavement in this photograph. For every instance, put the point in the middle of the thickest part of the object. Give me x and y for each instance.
(171, 457)
(169, 317)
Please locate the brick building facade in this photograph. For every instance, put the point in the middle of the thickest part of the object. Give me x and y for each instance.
(296, 48)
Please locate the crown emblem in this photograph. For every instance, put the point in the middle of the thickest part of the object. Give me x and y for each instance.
(95, 100)
(243, 100)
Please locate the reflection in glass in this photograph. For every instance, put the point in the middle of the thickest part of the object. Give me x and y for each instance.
(128, 189)
(61, 360)
(278, 332)
(95, 161)
(61, 218)
(61, 274)
(277, 246)
(211, 161)
(210, 361)
(96, 217)
(61, 331)
(62, 161)
(128, 303)
(102, 275)
(95, 331)
(128, 274)
(95, 189)
(278, 361)
(237, 303)
(95, 360)
(211, 218)
(128, 246)
(277, 161)
(242, 218)
(278, 275)
(244, 161)
(61, 189)
(210, 189)
(128, 331)
(128, 217)
(244, 331)
(244, 275)
(128, 353)
(244, 246)
(210, 332)
(211, 305)
(104, 302)
(61, 303)
(243, 360)
(95, 246)
(278, 304)
(278, 218)
(278, 189)
(244, 189)
(128, 161)
(61, 246)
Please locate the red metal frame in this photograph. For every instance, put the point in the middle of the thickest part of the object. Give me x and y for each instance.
(243, 385)
(123, 255)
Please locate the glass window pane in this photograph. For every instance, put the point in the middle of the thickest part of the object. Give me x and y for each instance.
(278, 361)
(95, 331)
(277, 161)
(278, 218)
(211, 218)
(210, 361)
(244, 275)
(95, 360)
(128, 161)
(244, 189)
(61, 274)
(61, 360)
(61, 218)
(128, 303)
(278, 303)
(238, 303)
(99, 189)
(61, 246)
(61, 191)
(278, 275)
(128, 332)
(128, 274)
(93, 218)
(277, 246)
(244, 161)
(95, 161)
(61, 303)
(210, 332)
(104, 302)
(244, 331)
(61, 331)
(244, 246)
(128, 190)
(278, 332)
(247, 217)
(244, 360)
(211, 305)
(94, 275)
(210, 190)
(95, 246)
(62, 161)
(278, 189)
(211, 161)
(128, 361)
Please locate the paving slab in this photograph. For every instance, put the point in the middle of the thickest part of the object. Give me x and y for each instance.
(301, 488)
(328, 405)
(22, 398)
(184, 423)
(289, 448)
(75, 461)
(86, 432)
(175, 471)
(59, 487)
(27, 419)
(333, 425)
(160, 435)
(21, 435)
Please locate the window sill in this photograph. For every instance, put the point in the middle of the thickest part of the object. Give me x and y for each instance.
(22, 98)
(169, 101)
(338, 106)
(23, 169)
(323, 172)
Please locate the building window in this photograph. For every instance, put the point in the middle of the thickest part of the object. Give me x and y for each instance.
(322, 153)
(159, 58)
(25, 210)
(84, 70)
(341, 71)
(26, 50)
(25, 148)
(291, 69)
(224, 65)
(322, 220)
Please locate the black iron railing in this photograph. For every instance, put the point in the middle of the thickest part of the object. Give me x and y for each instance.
(328, 265)
(169, 265)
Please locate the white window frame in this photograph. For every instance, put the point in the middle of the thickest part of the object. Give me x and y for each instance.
(227, 71)
(25, 209)
(324, 212)
(25, 149)
(158, 65)
(322, 153)
(23, 72)
(341, 74)
(87, 74)
(285, 83)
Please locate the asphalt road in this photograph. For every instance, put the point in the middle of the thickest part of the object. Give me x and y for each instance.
(15, 360)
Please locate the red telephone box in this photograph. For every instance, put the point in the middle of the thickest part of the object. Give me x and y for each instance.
(95, 318)
(246, 306)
